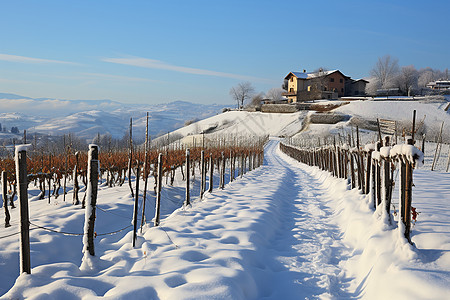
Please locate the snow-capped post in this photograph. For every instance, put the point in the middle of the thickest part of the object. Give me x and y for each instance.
(378, 176)
(136, 205)
(91, 201)
(386, 180)
(203, 174)
(5, 198)
(187, 200)
(408, 193)
(211, 173)
(22, 186)
(369, 151)
(222, 175)
(130, 158)
(158, 190)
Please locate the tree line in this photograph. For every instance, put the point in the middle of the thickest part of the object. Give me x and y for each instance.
(388, 74)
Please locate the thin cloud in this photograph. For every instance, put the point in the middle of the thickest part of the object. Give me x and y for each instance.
(160, 65)
(118, 77)
(31, 60)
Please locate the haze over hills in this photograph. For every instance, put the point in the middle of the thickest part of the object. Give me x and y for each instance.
(87, 118)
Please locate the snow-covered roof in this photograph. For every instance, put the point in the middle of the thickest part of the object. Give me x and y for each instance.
(310, 75)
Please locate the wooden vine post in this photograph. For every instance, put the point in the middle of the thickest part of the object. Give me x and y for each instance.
(231, 167)
(187, 200)
(91, 201)
(203, 174)
(145, 173)
(75, 200)
(211, 173)
(222, 175)
(22, 186)
(387, 180)
(136, 206)
(158, 191)
(130, 159)
(5, 198)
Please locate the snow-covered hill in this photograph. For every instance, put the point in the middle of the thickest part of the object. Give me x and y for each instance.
(88, 118)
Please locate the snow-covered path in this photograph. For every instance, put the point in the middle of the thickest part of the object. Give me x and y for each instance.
(306, 244)
(283, 231)
(266, 236)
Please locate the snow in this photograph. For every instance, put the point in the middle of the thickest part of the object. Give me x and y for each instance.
(282, 231)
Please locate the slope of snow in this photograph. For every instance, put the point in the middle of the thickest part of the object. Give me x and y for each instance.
(283, 231)
(243, 123)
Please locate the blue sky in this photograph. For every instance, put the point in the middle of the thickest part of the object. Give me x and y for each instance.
(162, 51)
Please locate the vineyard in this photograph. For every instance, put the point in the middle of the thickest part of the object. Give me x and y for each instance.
(68, 174)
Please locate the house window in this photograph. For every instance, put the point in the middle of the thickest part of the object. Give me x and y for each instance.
(292, 79)
(291, 89)
(342, 90)
(341, 81)
(331, 79)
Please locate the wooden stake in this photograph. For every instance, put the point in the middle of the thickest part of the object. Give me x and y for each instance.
(144, 199)
(130, 158)
(203, 174)
(158, 191)
(136, 206)
(22, 185)
(5, 198)
(187, 200)
(211, 173)
(91, 200)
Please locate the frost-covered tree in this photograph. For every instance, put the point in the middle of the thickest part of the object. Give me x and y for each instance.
(274, 94)
(385, 71)
(372, 86)
(241, 93)
(407, 78)
(425, 77)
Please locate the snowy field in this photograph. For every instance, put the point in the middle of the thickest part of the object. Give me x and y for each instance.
(283, 231)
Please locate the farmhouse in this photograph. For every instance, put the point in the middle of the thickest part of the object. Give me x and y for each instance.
(303, 86)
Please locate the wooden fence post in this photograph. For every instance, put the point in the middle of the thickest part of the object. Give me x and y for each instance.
(136, 205)
(203, 175)
(91, 191)
(22, 185)
(76, 187)
(158, 191)
(408, 195)
(130, 159)
(187, 200)
(211, 173)
(222, 175)
(5, 198)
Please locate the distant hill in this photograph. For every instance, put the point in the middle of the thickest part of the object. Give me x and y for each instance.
(87, 118)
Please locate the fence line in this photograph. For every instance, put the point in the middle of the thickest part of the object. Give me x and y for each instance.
(369, 169)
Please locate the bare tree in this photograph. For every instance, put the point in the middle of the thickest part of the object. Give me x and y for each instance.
(241, 93)
(385, 71)
(256, 100)
(274, 94)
